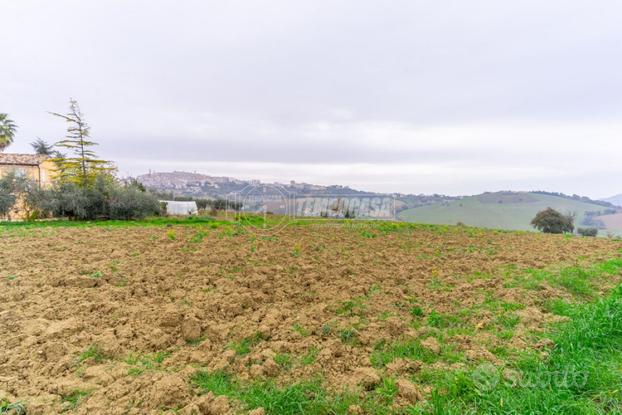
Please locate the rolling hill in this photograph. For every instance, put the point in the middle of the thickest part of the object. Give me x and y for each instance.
(616, 200)
(502, 210)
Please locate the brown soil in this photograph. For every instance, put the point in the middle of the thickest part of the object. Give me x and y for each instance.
(138, 291)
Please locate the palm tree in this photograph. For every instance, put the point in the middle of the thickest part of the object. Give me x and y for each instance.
(42, 148)
(7, 131)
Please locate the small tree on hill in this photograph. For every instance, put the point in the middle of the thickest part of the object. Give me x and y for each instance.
(551, 221)
(82, 165)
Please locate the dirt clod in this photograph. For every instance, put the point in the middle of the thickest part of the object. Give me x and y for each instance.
(355, 410)
(407, 390)
(367, 377)
(191, 329)
(169, 390)
(432, 345)
(171, 317)
(403, 366)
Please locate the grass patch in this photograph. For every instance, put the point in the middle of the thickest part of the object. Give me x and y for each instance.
(308, 397)
(72, 400)
(507, 321)
(368, 234)
(495, 305)
(443, 321)
(198, 237)
(96, 275)
(309, 357)
(219, 382)
(582, 283)
(300, 329)
(384, 394)
(13, 408)
(195, 342)
(245, 345)
(348, 336)
(409, 349)
(142, 363)
(93, 353)
(559, 306)
(581, 375)
(284, 360)
(353, 307)
(576, 281)
(416, 311)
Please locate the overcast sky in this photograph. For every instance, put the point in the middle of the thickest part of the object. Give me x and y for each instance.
(454, 97)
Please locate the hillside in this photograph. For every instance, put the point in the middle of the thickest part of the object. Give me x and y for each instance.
(616, 200)
(503, 210)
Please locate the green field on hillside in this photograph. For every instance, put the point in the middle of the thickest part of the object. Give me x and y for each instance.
(503, 210)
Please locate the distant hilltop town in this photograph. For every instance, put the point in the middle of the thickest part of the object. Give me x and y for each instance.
(196, 185)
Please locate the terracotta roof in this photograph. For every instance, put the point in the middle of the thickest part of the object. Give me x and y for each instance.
(21, 159)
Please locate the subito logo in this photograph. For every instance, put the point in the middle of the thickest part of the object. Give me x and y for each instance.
(486, 377)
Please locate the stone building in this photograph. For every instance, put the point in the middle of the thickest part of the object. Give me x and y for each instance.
(37, 168)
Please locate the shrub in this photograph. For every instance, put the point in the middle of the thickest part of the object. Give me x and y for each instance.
(202, 203)
(223, 204)
(12, 185)
(130, 203)
(7, 200)
(591, 232)
(551, 221)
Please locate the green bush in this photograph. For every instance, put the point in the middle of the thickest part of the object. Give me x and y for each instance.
(591, 232)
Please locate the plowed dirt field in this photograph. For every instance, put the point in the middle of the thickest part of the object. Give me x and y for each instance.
(135, 320)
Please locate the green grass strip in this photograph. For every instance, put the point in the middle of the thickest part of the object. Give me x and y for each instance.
(155, 221)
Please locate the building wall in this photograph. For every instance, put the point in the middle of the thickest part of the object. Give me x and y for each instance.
(47, 172)
(32, 172)
(43, 174)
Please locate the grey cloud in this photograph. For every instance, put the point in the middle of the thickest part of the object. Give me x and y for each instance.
(242, 81)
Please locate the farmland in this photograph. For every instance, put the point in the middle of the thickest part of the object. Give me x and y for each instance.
(320, 317)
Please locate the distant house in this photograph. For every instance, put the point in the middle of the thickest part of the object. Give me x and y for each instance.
(179, 208)
(37, 168)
